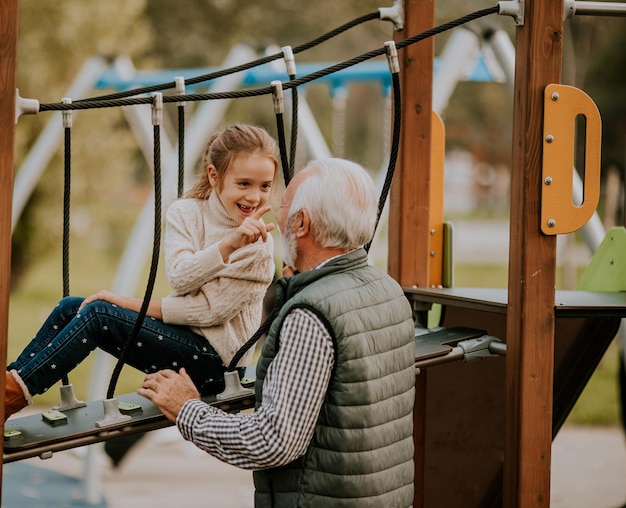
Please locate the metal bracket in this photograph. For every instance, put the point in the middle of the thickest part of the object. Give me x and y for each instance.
(232, 386)
(112, 414)
(513, 8)
(394, 14)
(478, 348)
(68, 399)
(25, 106)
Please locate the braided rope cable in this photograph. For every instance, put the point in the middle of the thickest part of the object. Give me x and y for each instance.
(393, 155)
(67, 184)
(243, 67)
(94, 104)
(265, 326)
(153, 266)
(294, 130)
(115, 100)
(263, 329)
(284, 160)
(181, 150)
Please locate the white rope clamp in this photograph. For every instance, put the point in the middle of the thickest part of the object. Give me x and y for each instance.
(290, 61)
(277, 95)
(513, 8)
(394, 14)
(180, 88)
(67, 114)
(157, 108)
(24, 106)
(392, 57)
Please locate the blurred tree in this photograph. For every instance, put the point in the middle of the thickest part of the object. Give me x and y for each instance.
(55, 39)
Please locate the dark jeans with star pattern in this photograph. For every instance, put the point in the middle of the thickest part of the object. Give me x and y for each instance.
(68, 336)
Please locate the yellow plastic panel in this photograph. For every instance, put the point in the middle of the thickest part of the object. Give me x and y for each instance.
(437, 159)
(562, 105)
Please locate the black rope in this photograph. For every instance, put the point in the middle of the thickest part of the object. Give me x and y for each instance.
(294, 129)
(386, 186)
(393, 155)
(67, 184)
(119, 99)
(181, 149)
(280, 127)
(243, 67)
(153, 266)
(94, 104)
(263, 329)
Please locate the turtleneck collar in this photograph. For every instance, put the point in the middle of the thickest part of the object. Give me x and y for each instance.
(218, 210)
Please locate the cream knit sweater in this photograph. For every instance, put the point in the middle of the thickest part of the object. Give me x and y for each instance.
(221, 301)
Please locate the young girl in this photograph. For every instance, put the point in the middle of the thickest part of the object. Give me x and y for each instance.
(218, 262)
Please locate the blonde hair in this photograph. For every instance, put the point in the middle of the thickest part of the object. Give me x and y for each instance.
(224, 146)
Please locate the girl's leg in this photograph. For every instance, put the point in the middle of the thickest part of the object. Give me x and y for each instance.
(101, 324)
(165, 346)
(58, 319)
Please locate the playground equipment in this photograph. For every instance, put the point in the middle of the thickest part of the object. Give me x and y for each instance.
(491, 445)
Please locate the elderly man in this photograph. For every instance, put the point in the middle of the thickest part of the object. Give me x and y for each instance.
(333, 423)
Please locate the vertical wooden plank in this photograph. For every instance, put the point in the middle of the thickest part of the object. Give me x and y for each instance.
(8, 83)
(408, 258)
(532, 267)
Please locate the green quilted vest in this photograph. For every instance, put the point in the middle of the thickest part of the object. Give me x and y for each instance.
(361, 454)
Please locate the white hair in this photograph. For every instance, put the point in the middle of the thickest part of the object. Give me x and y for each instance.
(340, 198)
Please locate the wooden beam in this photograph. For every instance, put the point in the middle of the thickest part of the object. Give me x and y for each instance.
(8, 84)
(532, 268)
(409, 208)
(408, 258)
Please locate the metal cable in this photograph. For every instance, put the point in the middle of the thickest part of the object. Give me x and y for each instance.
(284, 160)
(294, 130)
(102, 103)
(243, 67)
(181, 149)
(153, 266)
(393, 155)
(67, 184)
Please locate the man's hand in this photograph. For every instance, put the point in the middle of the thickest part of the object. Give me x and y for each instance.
(169, 391)
(249, 231)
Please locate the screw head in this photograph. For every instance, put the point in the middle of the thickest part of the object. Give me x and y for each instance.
(548, 180)
(549, 138)
(551, 223)
(555, 96)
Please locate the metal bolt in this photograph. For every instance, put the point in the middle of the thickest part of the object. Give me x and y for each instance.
(432, 231)
(551, 223)
(611, 261)
(555, 96)
(549, 138)
(432, 253)
(548, 180)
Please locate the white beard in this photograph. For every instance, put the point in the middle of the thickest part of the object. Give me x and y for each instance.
(290, 247)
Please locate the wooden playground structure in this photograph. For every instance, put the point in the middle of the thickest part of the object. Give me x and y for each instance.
(483, 430)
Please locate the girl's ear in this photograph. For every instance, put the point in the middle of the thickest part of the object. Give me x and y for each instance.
(213, 177)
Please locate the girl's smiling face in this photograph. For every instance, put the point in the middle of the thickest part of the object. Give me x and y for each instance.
(246, 184)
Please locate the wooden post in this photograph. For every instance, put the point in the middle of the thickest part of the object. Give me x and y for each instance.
(8, 84)
(408, 258)
(532, 268)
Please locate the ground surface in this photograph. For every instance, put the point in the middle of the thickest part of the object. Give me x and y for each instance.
(588, 471)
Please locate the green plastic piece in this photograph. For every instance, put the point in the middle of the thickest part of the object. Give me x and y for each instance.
(607, 269)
